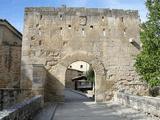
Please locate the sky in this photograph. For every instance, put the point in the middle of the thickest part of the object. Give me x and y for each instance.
(13, 10)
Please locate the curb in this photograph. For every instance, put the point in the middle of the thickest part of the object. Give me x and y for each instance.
(54, 111)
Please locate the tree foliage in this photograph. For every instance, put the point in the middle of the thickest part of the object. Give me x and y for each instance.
(90, 75)
(148, 61)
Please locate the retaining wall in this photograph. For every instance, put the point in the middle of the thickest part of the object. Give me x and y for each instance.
(22, 111)
(12, 96)
(147, 104)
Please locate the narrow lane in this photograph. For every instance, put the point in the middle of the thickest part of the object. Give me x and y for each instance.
(73, 96)
(78, 110)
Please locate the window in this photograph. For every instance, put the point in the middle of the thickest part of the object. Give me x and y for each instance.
(41, 17)
(102, 18)
(122, 19)
(40, 42)
(60, 16)
(91, 27)
(124, 30)
(81, 66)
(104, 31)
(69, 26)
(83, 31)
(61, 30)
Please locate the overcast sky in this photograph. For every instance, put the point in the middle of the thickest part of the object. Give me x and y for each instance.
(13, 10)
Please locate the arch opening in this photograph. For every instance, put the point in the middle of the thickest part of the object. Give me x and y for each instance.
(55, 83)
(80, 79)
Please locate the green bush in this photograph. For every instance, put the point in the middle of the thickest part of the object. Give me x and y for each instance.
(148, 61)
(90, 75)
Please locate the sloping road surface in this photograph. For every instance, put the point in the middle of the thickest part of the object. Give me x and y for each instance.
(75, 109)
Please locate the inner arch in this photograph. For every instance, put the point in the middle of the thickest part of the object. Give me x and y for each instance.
(79, 78)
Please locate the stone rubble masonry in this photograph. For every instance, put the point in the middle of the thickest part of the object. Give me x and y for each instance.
(150, 105)
(10, 55)
(10, 62)
(12, 96)
(57, 37)
(23, 111)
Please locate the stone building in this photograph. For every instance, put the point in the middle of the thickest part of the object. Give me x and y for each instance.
(10, 55)
(106, 39)
(70, 74)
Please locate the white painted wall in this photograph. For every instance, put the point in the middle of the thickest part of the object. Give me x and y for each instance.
(79, 65)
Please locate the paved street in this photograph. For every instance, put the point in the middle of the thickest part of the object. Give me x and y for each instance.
(78, 110)
(75, 96)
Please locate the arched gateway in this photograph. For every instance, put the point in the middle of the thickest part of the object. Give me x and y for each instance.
(56, 37)
(62, 66)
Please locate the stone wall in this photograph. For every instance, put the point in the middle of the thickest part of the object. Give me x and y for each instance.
(10, 55)
(10, 63)
(9, 37)
(39, 79)
(106, 39)
(12, 96)
(23, 111)
(149, 105)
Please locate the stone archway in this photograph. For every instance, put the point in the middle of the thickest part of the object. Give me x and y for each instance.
(59, 74)
(55, 38)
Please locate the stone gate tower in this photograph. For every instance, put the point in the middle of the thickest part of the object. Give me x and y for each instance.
(56, 37)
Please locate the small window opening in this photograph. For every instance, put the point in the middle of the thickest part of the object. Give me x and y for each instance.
(40, 42)
(83, 31)
(69, 26)
(41, 17)
(104, 31)
(61, 30)
(102, 18)
(91, 27)
(122, 19)
(81, 66)
(124, 30)
(61, 16)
